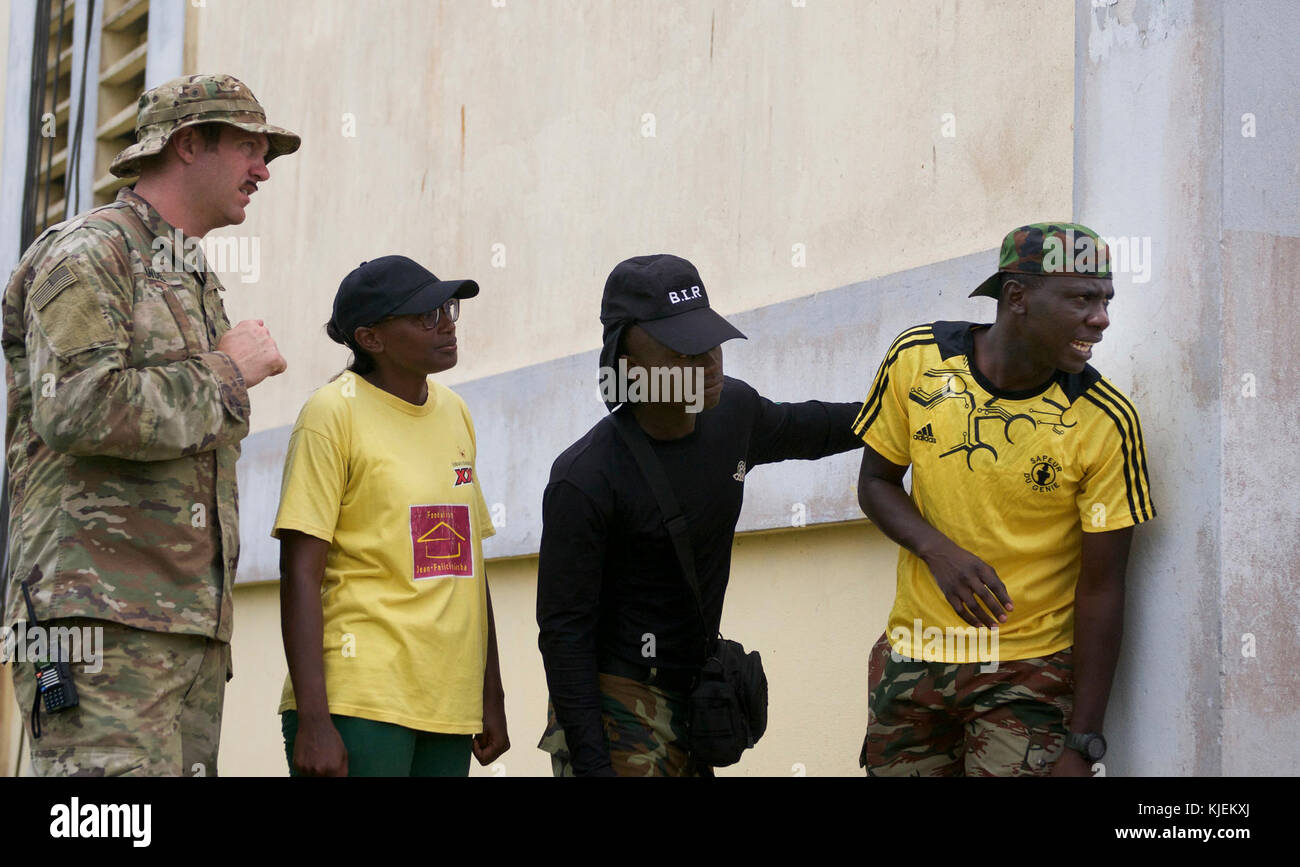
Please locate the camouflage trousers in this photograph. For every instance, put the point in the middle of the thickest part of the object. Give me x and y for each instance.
(645, 729)
(152, 707)
(936, 719)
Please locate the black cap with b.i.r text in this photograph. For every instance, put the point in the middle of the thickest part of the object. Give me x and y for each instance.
(665, 296)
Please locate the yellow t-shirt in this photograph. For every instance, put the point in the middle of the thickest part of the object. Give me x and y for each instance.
(392, 487)
(1015, 478)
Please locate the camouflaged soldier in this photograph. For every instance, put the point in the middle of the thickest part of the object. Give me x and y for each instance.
(128, 397)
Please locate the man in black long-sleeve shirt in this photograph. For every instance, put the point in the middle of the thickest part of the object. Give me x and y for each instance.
(620, 636)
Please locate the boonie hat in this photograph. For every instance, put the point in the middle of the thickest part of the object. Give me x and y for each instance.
(1049, 248)
(391, 286)
(192, 100)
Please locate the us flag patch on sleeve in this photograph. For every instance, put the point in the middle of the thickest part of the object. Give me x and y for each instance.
(60, 278)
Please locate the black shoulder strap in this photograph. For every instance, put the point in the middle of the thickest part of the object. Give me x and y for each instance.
(674, 520)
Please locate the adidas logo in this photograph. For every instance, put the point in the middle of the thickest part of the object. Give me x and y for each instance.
(925, 435)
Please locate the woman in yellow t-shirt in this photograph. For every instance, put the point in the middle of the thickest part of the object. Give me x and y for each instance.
(385, 612)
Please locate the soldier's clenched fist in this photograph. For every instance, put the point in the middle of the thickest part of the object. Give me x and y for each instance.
(250, 346)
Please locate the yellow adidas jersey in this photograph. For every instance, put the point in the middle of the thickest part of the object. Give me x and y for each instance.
(1015, 478)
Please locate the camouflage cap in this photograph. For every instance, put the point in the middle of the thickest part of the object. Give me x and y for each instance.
(1049, 248)
(192, 100)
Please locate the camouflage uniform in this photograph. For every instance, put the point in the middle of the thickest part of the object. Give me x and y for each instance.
(645, 728)
(942, 719)
(123, 430)
(151, 706)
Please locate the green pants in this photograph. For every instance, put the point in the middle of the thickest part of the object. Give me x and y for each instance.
(380, 749)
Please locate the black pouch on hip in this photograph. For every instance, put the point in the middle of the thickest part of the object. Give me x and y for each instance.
(727, 710)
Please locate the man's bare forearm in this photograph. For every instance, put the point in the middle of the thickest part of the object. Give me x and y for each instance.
(970, 585)
(1098, 628)
(892, 510)
(1098, 624)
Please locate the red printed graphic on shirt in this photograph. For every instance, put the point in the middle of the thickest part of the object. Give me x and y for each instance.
(442, 542)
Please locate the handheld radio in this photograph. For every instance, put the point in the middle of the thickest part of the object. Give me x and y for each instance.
(54, 686)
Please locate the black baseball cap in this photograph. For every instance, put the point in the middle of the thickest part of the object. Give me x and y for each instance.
(392, 286)
(664, 295)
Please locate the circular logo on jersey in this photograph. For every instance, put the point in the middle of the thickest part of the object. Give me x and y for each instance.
(1043, 473)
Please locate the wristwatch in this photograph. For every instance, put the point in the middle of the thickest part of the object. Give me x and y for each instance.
(1091, 745)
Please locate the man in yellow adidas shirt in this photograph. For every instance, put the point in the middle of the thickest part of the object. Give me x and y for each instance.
(1029, 474)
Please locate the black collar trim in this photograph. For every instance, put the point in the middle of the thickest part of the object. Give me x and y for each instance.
(958, 338)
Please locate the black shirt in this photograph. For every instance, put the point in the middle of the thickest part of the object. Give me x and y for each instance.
(607, 572)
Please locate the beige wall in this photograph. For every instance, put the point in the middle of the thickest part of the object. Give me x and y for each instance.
(10, 722)
(812, 601)
(522, 126)
(4, 61)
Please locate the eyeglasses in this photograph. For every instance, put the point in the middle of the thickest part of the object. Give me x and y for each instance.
(430, 318)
